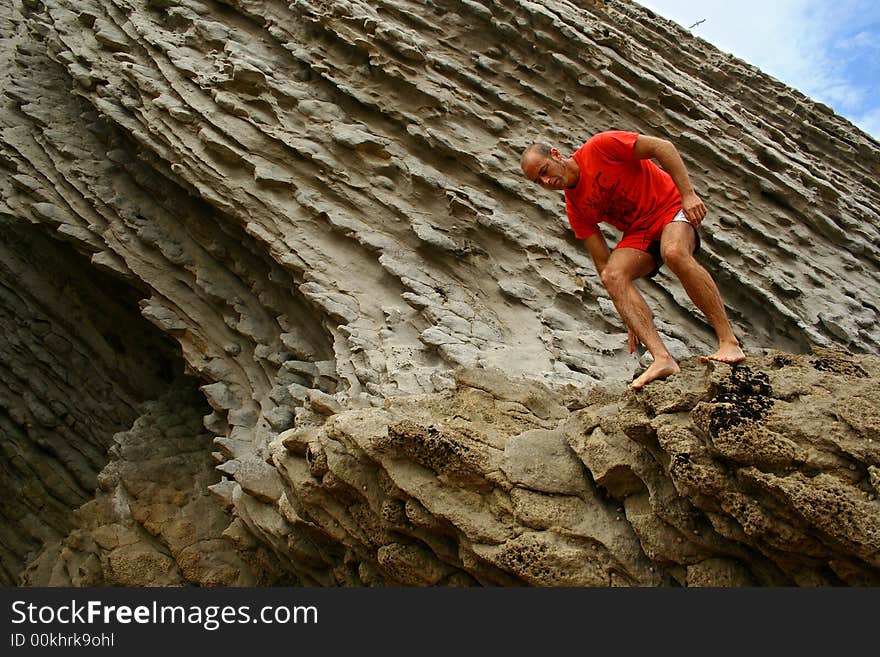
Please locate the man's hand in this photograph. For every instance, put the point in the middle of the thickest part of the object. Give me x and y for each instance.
(634, 341)
(693, 208)
(667, 155)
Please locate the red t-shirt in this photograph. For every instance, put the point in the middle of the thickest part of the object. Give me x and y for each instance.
(633, 195)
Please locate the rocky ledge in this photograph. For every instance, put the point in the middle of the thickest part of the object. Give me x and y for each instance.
(765, 473)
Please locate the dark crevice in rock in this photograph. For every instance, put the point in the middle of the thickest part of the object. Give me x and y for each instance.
(76, 362)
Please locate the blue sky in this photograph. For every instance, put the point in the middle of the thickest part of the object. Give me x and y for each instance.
(828, 49)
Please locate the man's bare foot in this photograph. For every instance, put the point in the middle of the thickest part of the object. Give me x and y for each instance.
(659, 369)
(727, 353)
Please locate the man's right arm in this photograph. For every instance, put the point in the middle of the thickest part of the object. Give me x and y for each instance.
(598, 248)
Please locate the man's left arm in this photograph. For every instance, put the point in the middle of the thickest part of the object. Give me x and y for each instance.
(667, 156)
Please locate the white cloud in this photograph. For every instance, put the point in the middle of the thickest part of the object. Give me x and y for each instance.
(807, 44)
(870, 122)
(842, 94)
(862, 41)
(777, 37)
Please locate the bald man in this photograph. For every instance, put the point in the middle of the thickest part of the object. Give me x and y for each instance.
(612, 178)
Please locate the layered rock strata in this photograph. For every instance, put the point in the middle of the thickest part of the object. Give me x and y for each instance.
(76, 362)
(320, 203)
(153, 520)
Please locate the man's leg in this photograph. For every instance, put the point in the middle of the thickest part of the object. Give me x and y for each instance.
(677, 249)
(623, 267)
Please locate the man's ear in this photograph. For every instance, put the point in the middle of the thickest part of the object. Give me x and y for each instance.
(556, 155)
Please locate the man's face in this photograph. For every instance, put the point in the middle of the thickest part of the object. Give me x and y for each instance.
(548, 172)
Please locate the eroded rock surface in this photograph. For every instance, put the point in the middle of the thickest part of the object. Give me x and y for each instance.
(318, 206)
(76, 362)
(153, 521)
(759, 474)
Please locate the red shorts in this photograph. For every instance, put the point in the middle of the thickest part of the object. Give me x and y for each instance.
(647, 238)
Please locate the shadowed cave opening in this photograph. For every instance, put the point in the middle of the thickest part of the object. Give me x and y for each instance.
(77, 361)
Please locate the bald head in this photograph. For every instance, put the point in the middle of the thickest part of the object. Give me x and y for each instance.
(535, 150)
(547, 167)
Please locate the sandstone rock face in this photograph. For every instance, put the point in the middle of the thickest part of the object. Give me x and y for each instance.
(754, 475)
(317, 208)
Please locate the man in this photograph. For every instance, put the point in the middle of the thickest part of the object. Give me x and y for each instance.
(611, 178)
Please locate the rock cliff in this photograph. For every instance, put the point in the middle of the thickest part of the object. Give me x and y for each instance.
(279, 307)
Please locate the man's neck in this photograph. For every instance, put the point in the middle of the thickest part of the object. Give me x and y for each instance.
(571, 162)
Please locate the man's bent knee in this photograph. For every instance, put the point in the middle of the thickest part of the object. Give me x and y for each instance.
(677, 256)
(614, 279)
(624, 266)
